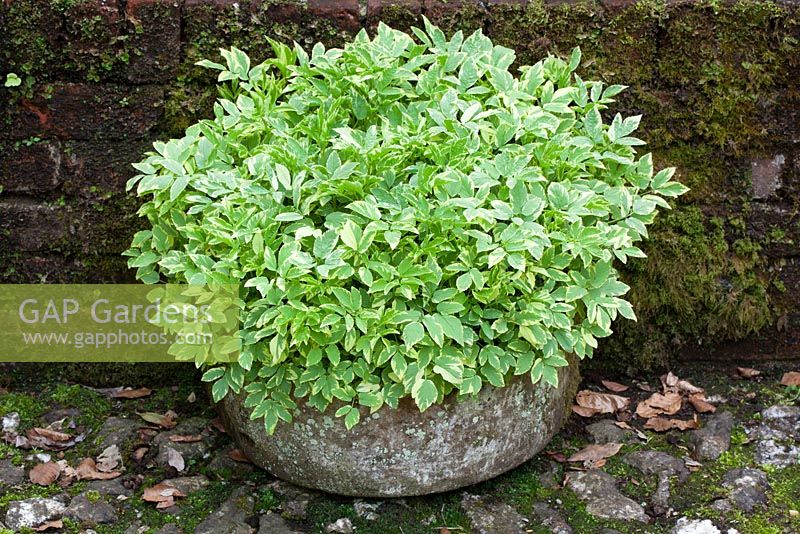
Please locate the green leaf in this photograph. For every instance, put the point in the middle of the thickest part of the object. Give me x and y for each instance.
(424, 394)
(213, 374)
(12, 80)
(413, 334)
(178, 186)
(451, 327)
(219, 390)
(464, 282)
(434, 329)
(350, 234)
(449, 368)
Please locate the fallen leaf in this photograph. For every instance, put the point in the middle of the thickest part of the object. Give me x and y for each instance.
(216, 424)
(178, 438)
(669, 380)
(626, 426)
(139, 453)
(147, 434)
(87, 470)
(175, 459)
(692, 464)
(747, 372)
(662, 424)
(191, 398)
(644, 386)
(701, 404)
(584, 412)
(109, 459)
(45, 474)
(68, 474)
(792, 378)
(129, 393)
(557, 456)
(616, 387)
(668, 403)
(623, 416)
(688, 387)
(49, 439)
(238, 456)
(163, 494)
(593, 455)
(604, 402)
(56, 523)
(164, 421)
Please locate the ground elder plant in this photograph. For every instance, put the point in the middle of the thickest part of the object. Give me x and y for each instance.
(407, 216)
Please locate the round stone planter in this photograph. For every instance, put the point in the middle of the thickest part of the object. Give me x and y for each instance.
(402, 452)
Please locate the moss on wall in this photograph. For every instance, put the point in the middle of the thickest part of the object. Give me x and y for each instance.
(718, 84)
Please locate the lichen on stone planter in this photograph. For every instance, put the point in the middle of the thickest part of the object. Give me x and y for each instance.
(404, 452)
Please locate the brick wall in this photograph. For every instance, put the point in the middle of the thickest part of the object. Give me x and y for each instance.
(717, 83)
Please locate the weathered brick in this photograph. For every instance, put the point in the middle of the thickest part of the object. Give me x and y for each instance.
(30, 169)
(27, 226)
(91, 24)
(156, 39)
(101, 168)
(345, 13)
(464, 15)
(32, 268)
(521, 3)
(400, 14)
(768, 224)
(80, 111)
(766, 175)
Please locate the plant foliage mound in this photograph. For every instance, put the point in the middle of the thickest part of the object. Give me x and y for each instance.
(407, 217)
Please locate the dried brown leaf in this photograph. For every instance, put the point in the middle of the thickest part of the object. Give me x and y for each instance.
(792, 378)
(238, 456)
(747, 372)
(216, 424)
(175, 459)
(188, 438)
(604, 402)
(109, 459)
(87, 470)
(616, 387)
(129, 393)
(49, 439)
(45, 474)
(689, 388)
(662, 424)
(56, 523)
(668, 403)
(626, 426)
(162, 493)
(584, 412)
(669, 380)
(164, 421)
(139, 453)
(700, 404)
(595, 452)
(557, 456)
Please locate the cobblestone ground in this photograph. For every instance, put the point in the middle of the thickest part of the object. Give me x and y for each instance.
(77, 459)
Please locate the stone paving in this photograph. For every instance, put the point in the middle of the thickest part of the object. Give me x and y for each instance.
(739, 471)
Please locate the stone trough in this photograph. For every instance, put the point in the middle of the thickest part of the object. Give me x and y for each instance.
(402, 452)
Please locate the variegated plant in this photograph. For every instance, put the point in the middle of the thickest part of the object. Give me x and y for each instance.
(407, 218)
